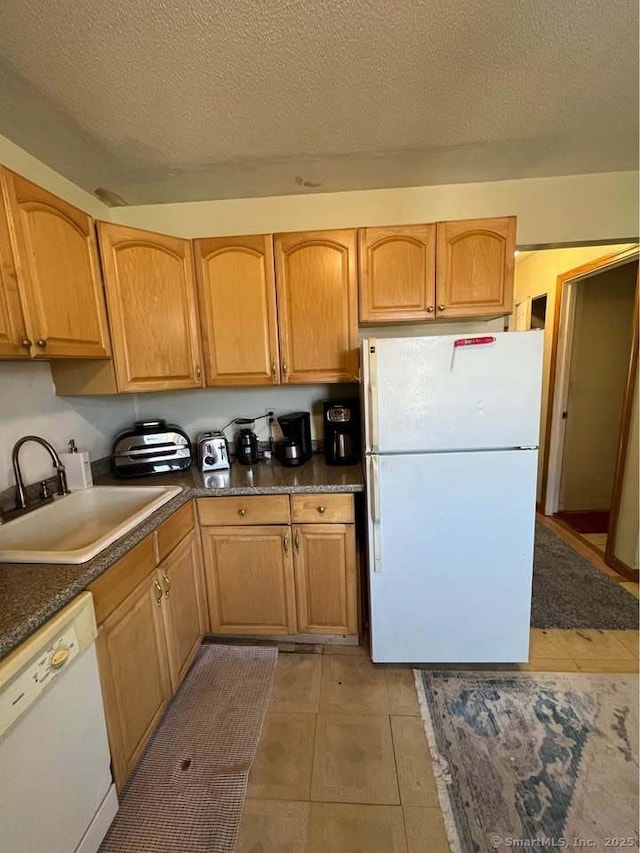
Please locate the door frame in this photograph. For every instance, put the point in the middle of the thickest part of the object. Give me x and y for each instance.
(621, 460)
(560, 363)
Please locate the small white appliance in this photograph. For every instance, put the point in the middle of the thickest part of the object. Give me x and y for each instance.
(451, 435)
(56, 791)
(213, 451)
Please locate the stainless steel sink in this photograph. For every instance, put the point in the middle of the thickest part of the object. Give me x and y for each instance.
(75, 528)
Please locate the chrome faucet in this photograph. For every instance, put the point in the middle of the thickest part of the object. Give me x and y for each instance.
(57, 464)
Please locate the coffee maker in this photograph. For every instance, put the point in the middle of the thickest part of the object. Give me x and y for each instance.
(296, 446)
(341, 431)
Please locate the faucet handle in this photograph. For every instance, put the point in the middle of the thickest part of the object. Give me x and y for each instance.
(44, 490)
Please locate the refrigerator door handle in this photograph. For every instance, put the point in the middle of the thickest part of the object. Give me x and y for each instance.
(375, 515)
(373, 396)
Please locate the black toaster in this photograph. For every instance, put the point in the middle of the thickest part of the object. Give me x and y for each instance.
(150, 447)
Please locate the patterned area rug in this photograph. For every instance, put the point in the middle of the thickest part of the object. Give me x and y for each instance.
(186, 794)
(520, 758)
(568, 592)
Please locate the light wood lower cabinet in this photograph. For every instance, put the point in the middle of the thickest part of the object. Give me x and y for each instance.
(149, 632)
(135, 678)
(249, 575)
(184, 607)
(273, 578)
(325, 573)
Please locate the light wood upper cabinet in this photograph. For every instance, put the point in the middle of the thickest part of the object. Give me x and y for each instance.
(317, 306)
(326, 578)
(475, 267)
(13, 332)
(151, 296)
(397, 273)
(58, 272)
(184, 606)
(237, 295)
(134, 674)
(249, 577)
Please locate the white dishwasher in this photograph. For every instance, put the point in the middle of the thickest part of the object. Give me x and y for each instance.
(56, 791)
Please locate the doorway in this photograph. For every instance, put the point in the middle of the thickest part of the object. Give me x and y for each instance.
(594, 353)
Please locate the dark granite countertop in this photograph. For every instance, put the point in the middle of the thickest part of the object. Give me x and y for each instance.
(30, 593)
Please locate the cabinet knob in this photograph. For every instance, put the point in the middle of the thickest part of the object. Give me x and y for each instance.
(41, 342)
(321, 509)
(25, 342)
(441, 307)
(429, 309)
(242, 512)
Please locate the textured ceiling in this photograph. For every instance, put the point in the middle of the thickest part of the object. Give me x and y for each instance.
(192, 99)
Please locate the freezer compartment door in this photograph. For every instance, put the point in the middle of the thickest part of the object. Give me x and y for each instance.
(453, 392)
(451, 556)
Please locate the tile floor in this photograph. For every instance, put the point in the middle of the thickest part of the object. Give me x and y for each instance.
(597, 539)
(342, 763)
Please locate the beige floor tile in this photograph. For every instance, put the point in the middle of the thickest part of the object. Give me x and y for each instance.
(630, 640)
(549, 665)
(425, 830)
(629, 664)
(282, 768)
(352, 685)
(273, 826)
(401, 691)
(588, 644)
(413, 762)
(631, 586)
(351, 651)
(339, 828)
(548, 643)
(354, 761)
(297, 683)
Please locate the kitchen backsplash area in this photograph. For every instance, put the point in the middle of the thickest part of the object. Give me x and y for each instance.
(28, 405)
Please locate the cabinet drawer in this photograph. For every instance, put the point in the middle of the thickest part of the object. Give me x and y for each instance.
(253, 509)
(322, 506)
(119, 581)
(174, 529)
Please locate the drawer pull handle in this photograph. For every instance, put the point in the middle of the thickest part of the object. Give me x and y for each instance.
(321, 509)
(167, 583)
(285, 542)
(296, 541)
(242, 512)
(158, 591)
(274, 372)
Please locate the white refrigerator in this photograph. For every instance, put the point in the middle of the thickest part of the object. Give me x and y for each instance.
(451, 429)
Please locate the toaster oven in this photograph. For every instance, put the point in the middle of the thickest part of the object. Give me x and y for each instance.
(150, 447)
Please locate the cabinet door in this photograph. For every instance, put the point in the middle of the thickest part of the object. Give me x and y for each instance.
(237, 295)
(475, 267)
(134, 675)
(59, 273)
(249, 577)
(183, 608)
(13, 336)
(151, 296)
(317, 306)
(326, 578)
(397, 273)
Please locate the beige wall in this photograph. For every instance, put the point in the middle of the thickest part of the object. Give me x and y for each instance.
(536, 274)
(572, 209)
(25, 164)
(602, 333)
(626, 545)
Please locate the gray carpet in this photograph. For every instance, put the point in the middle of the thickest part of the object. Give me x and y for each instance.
(523, 758)
(568, 592)
(187, 792)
